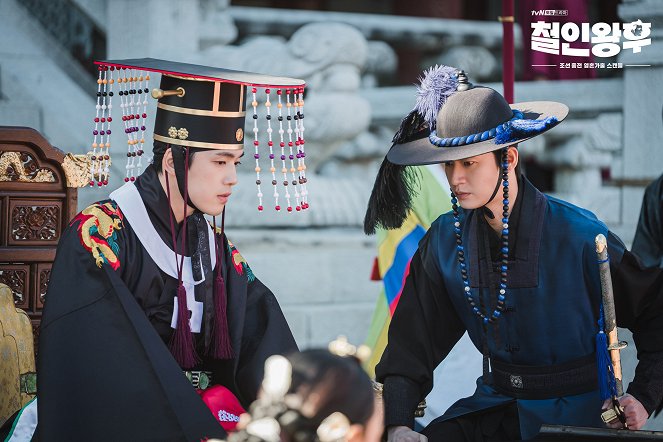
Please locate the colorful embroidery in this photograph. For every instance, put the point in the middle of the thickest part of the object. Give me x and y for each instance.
(240, 264)
(97, 232)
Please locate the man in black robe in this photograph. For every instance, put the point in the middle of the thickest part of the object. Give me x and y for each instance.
(143, 293)
(648, 240)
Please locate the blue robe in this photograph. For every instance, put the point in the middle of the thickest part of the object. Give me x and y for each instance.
(552, 307)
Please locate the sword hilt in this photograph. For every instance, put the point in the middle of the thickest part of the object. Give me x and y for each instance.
(618, 345)
(610, 323)
(615, 412)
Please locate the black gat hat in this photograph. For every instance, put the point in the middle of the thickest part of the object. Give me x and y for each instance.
(452, 120)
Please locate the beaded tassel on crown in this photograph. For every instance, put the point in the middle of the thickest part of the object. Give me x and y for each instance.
(100, 160)
(133, 96)
(133, 93)
(294, 130)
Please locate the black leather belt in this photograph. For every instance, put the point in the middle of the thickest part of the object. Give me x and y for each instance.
(545, 382)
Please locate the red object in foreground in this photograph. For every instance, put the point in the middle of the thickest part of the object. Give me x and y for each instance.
(224, 406)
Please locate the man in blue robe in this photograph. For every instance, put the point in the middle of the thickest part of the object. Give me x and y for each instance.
(514, 268)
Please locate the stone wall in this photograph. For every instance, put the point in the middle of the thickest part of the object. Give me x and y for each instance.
(321, 278)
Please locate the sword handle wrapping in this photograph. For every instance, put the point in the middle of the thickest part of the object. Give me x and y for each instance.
(607, 296)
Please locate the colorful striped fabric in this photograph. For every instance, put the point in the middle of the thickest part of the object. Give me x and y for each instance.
(395, 251)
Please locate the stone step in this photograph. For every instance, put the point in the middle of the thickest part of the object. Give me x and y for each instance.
(42, 82)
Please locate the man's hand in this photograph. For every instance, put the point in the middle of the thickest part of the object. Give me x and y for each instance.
(404, 434)
(635, 412)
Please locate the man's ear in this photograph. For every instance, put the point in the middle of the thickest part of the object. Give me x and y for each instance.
(512, 157)
(167, 164)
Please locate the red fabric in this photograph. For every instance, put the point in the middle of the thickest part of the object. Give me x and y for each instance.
(375, 273)
(223, 404)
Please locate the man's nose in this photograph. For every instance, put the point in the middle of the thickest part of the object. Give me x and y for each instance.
(231, 178)
(456, 175)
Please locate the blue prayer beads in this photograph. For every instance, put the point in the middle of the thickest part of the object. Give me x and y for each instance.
(501, 297)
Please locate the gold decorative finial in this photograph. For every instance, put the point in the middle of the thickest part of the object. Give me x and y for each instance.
(77, 169)
(160, 93)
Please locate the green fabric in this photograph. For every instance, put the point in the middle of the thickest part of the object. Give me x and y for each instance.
(29, 383)
(432, 200)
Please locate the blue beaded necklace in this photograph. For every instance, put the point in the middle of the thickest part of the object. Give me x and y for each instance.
(501, 297)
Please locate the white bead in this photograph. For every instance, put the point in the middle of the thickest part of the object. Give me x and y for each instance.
(260, 195)
(255, 129)
(505, 226)
(457, 224)
(103, 107)
(289, 131)
(98, 106)
(281, 131)
(467, 288)
(269, 130)
(502, 291)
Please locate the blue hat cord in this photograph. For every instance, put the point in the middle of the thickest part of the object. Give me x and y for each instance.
(517, 128)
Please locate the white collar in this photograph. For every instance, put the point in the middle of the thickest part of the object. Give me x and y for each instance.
(133, 208)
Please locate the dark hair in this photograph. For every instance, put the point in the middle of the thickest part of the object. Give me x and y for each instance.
(159, 150)
(335, 383)
(340, 381)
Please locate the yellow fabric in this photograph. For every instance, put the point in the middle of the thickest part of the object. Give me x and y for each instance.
(430, 201)
(387, 248)
(16, 354)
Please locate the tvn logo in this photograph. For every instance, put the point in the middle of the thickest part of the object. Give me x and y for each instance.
(551, 12)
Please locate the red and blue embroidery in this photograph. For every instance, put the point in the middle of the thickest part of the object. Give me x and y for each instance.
(97, 231)
(240, 264)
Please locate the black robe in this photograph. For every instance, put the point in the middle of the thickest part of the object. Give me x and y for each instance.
(104, 369)
(648, 241)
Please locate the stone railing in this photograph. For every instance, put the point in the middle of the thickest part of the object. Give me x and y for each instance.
(475, 44)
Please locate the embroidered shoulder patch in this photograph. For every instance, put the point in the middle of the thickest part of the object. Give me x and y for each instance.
(97, 231)
(240, 264)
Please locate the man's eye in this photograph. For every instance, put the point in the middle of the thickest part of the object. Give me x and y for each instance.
(221, 163)
(237, 163)
(468, 163)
